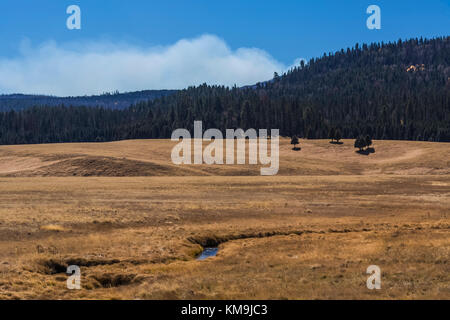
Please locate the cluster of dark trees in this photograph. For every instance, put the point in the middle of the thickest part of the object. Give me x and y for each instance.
(362, 142)
(398, 90)
(335, 134)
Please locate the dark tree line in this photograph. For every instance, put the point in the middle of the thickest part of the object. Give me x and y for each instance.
(114, 100)
(397, 90)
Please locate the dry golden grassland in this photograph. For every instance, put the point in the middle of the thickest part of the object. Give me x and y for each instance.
(134, 222)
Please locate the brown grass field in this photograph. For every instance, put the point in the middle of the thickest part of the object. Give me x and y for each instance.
(134, 222)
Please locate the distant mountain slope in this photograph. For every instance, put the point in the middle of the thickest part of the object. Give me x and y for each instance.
(19, 102)
(398, 90)
(393, 91)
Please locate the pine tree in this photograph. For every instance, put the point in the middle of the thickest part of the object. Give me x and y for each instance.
(360, 143)
(295, 142)
(338, 135)
(368, 141)
(332, 134)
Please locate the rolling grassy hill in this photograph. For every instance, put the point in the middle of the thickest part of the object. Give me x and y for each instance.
(152, 158)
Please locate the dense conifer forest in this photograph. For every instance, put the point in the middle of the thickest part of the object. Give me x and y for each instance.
(398, 91)
(110, 100)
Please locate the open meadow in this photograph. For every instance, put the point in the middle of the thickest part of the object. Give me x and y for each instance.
(135, 222)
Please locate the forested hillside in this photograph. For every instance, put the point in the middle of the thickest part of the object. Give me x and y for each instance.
(113, 100)
(397, 90)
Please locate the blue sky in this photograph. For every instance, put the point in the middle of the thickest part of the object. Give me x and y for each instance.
(275, 33)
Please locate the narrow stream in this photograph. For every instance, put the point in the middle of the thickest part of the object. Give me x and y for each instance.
(208, 252)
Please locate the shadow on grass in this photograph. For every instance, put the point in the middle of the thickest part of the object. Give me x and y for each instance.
(366, 152)
(336, 142)
(296, 148)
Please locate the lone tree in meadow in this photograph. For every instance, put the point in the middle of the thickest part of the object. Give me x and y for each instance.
(294, 141)
(338, 135)
(332, 134)
(360, 143)
(368, 141)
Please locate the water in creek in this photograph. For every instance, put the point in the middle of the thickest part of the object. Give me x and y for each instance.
(208, 252)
